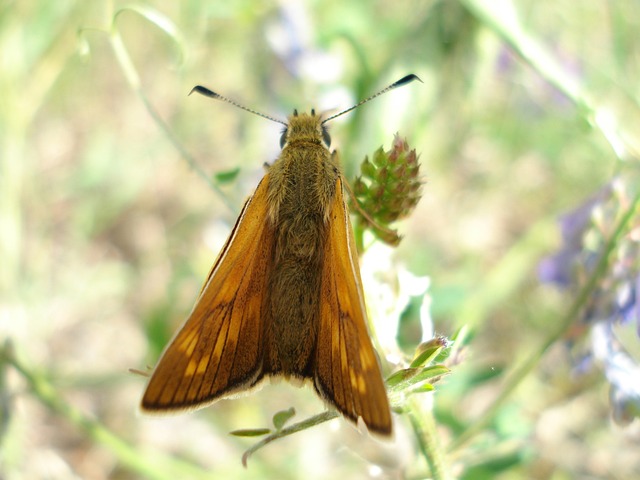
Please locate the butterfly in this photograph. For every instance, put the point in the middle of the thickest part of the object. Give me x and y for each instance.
(284, 297)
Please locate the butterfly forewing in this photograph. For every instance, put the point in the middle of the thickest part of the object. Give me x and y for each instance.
(218, 351)
(347, 369)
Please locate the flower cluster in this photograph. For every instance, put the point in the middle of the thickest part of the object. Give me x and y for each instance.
(388, 188)
(607, 227)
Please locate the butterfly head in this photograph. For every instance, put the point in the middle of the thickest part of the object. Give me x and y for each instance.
(304, 127)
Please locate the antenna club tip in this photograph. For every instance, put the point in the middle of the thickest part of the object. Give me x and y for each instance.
(407, 79)
(204, 91)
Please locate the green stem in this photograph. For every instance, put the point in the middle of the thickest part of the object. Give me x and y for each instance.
(501, 17)
(133, 79)
(285, 432)
(424, 427)
(150, 466)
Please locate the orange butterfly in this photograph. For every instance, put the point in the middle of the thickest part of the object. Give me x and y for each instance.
(284, 297)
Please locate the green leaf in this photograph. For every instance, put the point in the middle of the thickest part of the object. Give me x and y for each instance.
(280, 418)
(461, 336)
(161, 21)
(428, 373)
(424, 388)
(226, 176)
(401, 376)
(436, 349)
(250, 432)
(426, 356)
(404, 379)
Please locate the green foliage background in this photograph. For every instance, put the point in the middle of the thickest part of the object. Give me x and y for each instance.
(106, 231)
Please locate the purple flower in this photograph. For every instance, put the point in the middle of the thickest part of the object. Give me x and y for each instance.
(621, 371)
(557, 269)
(628, 306)
(616, 297)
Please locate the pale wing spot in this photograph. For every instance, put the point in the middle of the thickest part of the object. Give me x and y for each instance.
(202, 366)
(188, 344)
(354, 379)
(362, 385)
(366, 360)
(191, 368)
(221, 341)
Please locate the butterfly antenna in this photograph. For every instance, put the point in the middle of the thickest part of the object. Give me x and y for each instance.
(209, 93)
(399, 83)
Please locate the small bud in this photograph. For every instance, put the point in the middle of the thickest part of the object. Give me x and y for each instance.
(389, 187)
(368, 170)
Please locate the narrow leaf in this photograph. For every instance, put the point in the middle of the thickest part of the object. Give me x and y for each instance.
(227, 176)
(426, 356)
(401, 376)
(250, 432)
(424, 388)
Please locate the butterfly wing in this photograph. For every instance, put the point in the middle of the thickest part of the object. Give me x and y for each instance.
(218, 350)
(347, 370)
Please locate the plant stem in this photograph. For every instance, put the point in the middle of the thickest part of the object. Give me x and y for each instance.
(149, 466)
(424, 427)
(295, 428)
(133, 79)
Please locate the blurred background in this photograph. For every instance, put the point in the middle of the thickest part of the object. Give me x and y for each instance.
(117, 191)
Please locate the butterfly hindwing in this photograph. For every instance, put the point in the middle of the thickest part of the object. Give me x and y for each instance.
(218, 350)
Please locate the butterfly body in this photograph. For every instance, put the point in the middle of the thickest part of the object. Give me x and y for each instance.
(302, 185)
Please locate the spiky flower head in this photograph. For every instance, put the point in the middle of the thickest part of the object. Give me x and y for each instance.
(388, 188)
